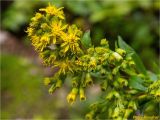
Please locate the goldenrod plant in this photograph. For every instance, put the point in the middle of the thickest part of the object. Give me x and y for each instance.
(126, 85)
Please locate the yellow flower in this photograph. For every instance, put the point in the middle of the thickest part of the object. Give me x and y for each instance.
(52, 10)
(44, 40)
(30, 31)
(37, 17)
(40, 42)
(88, 80)
(93, 63)
(82, 95)
(71, 40)
(47, 81)
(64, 66)
(90, 115)
(35, 40)
(72, 96)
(57, 29)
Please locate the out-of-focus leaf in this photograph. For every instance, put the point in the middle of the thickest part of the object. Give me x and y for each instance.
(115, 9)
(136, 83)
(152, 76)
(139, 64)
(86, 40)
(78, 7)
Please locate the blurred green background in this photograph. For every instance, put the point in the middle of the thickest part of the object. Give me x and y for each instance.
(23, 94)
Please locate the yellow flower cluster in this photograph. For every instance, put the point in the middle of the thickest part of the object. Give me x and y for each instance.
(62, 46)
(49, 32)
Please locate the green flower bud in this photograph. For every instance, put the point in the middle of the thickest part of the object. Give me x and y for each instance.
(90, 115)
(88, 80)
(112, 94)
(104, 42)
(132, 105)
(131, 63)
(82, 94)
(92, 63)
(115, 57)
(52, 89)
(115, 70)
(104, 85)
(44, 26)
(127, 113)
(122, 81)
(103, 71)
(71, 97)
(90, 50)
(47, 81)
(116, 112)
(116, 94)
(58, 83)
(75, 81)
(121, 51)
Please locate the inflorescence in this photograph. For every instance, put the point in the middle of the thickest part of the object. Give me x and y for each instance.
(59, 45)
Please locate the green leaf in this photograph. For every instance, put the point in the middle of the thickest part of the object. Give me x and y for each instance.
(152, 76)
(139, 64)
(86, 40)
(136, 83)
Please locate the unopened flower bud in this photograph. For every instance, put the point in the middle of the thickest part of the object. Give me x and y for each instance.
(47, 81)
(75, 81)
(44, 26)
(115, 57)
(52, 89)
(122, 81)
(88, 80)
(132, 105)
(58, 83)
(131, 63)
(104, 42)
(116, 112)
(116, 94)
(104, 85)
(82, 95)
(90, 50)
(127, 113)
(93, 62)
(72, 96)
(121, 51)
(115, 70)
(90, 115)
(110, 95)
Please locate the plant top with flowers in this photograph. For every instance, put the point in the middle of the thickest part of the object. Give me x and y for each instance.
(124, 81)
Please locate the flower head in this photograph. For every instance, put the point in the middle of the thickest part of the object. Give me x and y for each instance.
(52, 10)
(71, 40)
(72, 96)
(64, 66)
(57, 29)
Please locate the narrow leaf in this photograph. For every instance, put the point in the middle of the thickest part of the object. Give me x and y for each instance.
(139, 64)
(136, 83)
(86, 40)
